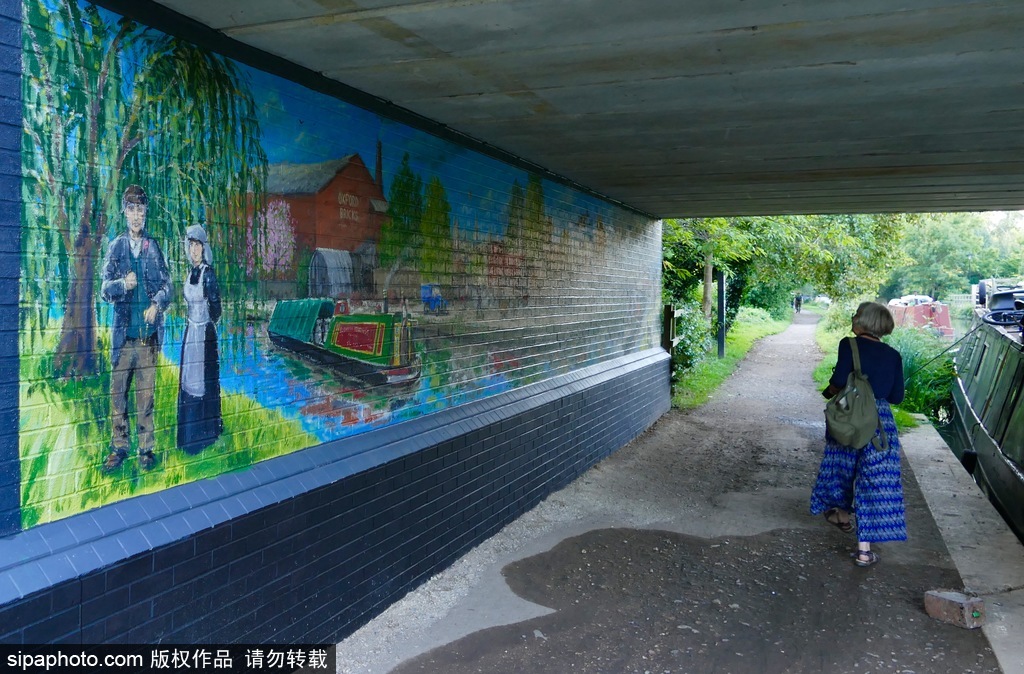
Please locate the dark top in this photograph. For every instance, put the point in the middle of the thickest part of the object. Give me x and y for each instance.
(211, 291)
(137, 328)
(882, 364)
(155, 282)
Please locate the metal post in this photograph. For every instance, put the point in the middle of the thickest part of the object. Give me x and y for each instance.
(720, 278)
(669, 339)
(668, 328)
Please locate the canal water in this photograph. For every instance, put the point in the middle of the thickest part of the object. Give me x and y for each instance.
(330, 405)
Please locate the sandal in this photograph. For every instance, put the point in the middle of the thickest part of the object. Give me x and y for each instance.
(832, 517)
(865, 558)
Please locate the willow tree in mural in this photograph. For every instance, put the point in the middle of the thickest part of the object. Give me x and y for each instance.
(108, 103)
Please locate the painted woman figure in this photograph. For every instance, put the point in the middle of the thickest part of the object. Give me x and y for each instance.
(199, 416)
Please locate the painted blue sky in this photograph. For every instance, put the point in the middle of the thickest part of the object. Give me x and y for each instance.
(303, 126)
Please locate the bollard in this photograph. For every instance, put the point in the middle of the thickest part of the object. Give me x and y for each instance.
(955, 608)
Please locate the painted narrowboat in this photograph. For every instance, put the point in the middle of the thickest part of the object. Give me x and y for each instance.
(988, 396)
(376, 349)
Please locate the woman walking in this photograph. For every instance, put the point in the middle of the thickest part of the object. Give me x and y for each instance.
(199, 414)
(863, 485)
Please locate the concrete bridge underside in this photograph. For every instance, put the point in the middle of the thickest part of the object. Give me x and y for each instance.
(707, 107)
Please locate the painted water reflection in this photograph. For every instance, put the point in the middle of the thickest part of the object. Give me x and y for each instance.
(330, 405)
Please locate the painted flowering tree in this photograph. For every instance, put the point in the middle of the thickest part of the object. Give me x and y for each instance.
(270, 242)
(107, 103)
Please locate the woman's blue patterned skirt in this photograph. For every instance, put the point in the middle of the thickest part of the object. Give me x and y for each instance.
(865, 481)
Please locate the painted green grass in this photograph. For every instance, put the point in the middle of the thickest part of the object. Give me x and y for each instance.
(64, 437)
(694, 386)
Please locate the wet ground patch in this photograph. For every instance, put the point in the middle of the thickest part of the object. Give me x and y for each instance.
(630, 600)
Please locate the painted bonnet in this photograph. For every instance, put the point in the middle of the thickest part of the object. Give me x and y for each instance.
(197, 233)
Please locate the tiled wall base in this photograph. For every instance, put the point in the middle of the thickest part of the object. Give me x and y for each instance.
(306, 548)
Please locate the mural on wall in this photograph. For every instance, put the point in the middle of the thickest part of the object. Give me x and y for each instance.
(220, 266)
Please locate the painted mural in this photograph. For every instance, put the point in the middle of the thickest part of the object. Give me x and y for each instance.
(220, 266)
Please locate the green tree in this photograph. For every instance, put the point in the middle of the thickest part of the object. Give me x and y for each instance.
(858, 253)
(206, 158)
(770, 258)
(436, 234)
(947, 252)
(846, 257)
(706, 243)
(767, 278)
(516, 218)
(1007, 235)
(943, 249)
(537, 227)
(108, 103)
(405, 210)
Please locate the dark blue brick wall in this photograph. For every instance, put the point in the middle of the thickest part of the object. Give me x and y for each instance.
(316, 564)
(10, 250)
(307, 547)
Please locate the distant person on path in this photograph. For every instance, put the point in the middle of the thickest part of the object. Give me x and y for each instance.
(866, 481)
(136, 281)
(199, 414)
(798, 302)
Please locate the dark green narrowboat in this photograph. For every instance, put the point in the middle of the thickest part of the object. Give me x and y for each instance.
(376, 349)
(988, 396)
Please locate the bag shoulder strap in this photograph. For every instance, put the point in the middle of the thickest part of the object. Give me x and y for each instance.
(856, 368)
(856, 356)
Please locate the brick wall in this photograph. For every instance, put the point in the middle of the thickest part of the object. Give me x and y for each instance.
(10, 250)
(324, 499)
(313, 557)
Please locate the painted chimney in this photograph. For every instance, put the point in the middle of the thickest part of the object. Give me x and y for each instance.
(379, 175)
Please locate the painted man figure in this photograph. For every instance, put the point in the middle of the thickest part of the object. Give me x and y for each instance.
(136, 281)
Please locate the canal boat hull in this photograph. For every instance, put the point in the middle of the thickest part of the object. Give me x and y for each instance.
(988, 416)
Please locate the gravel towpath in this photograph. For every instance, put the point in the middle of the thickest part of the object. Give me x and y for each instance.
(689, 550)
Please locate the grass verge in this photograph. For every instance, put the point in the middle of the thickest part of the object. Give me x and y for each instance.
(694, 386)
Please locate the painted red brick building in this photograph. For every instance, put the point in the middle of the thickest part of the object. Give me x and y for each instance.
(335, 204)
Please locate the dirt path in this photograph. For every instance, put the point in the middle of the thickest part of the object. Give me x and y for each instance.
(691, 550)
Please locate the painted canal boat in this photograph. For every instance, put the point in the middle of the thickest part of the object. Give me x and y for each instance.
(988, 415)
(376, 349)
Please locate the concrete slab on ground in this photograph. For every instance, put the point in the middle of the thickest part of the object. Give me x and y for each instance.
(989, 557)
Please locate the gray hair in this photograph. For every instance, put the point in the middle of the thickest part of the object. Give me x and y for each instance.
(874, 318)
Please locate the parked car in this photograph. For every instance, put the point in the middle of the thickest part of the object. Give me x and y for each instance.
(910, 301)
